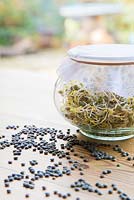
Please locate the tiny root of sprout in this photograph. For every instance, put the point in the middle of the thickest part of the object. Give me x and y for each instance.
(98, 110)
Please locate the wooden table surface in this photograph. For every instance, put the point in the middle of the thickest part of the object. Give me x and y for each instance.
(122, 176)
(26, 97)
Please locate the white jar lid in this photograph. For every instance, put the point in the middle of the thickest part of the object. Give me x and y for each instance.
(103, 54)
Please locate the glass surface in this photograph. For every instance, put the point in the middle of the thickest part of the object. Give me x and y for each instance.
(98, 99)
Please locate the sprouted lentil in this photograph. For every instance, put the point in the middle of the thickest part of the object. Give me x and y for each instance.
(96, 110)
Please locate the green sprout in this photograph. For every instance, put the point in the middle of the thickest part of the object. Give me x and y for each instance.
(97, 110)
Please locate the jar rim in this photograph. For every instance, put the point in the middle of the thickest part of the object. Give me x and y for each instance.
(103, 54)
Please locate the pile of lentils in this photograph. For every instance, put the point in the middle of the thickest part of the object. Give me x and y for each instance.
(44, 141)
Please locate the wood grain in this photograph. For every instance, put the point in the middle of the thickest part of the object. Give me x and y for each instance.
(122, 176)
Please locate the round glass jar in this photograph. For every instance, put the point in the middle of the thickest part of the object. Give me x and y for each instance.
(95, 90)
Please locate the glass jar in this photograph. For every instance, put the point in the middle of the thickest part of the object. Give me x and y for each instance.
(95, 90)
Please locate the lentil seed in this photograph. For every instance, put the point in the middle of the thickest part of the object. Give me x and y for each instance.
(118, 165)
(76, 189)
(8, 191)
(32, 133)
(110, 192)
(22, 164)
(101, 176)
(64, 196)
(55, 192)
(68, 194)
(129, 158)
(27, 195)
(47, 194)
(6, 184)
(43, 188)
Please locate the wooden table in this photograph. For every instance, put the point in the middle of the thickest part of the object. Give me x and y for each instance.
(25, 102)
(122, 176)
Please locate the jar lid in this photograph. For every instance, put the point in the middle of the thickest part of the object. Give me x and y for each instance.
(103, 54)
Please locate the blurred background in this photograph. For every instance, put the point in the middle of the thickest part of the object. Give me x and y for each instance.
(34, 38)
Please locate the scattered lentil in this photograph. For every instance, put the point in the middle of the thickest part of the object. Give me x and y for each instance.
(47, 194)
(118, 165)
(43, 188)
(8, 191)
(27, 195)
(110, 191)
(22, 164)
(20, 142)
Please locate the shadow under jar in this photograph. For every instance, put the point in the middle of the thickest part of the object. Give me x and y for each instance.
(95, 90)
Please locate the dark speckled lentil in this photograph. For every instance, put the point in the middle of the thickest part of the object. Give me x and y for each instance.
(129, 159)
(22, 164)
(27, 176)
(118, 165)
(6, 184)
(110, 191)
(52, 159)
(43, 188)
(68, 194)
(47, 194)
(77, 189)
(104, 172)
(85, 160)
(60, 195)
(27, 196)
(64, 196)
(8, 191)
(19, 142)
(81, 173)
(99, 193)
(101, 176)
(90, 190)
(55, 192)
(115, 188)
(5, 180)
